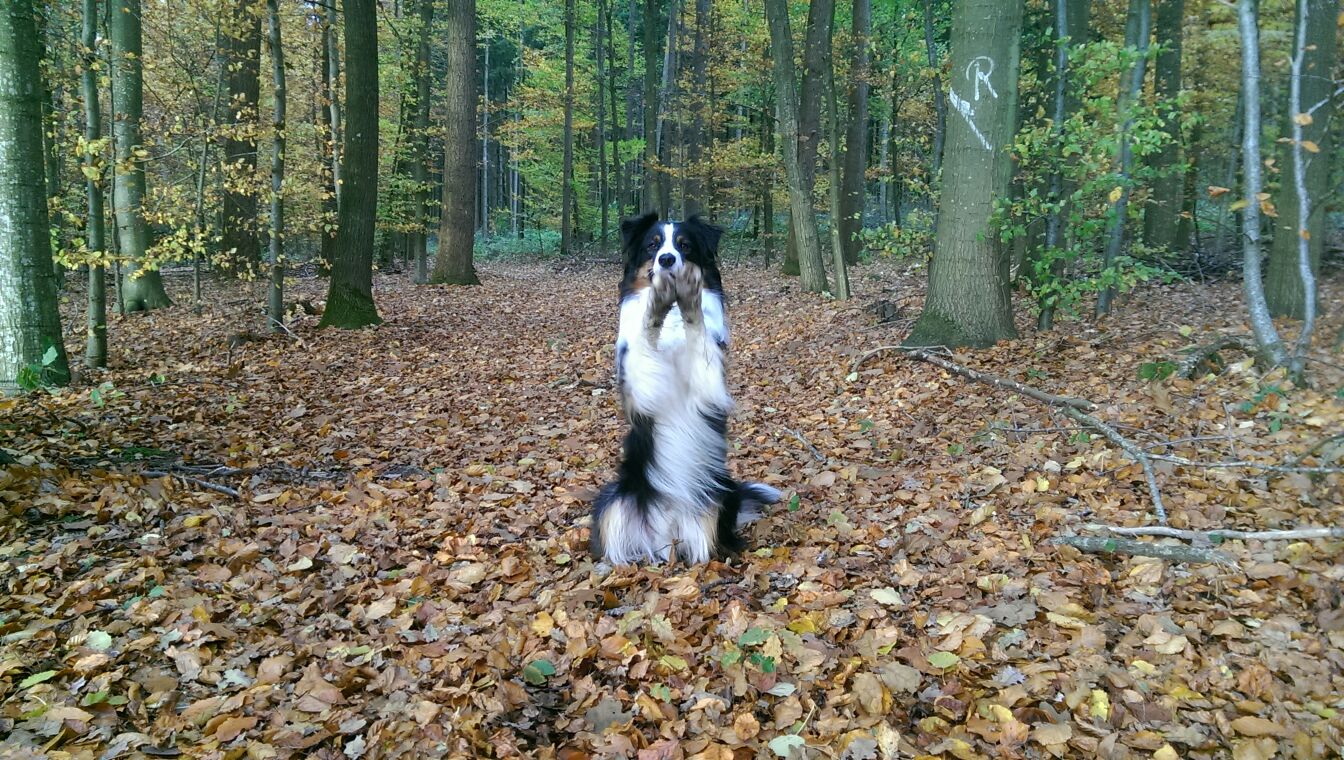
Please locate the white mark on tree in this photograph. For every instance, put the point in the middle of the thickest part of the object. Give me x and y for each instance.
(977, 72)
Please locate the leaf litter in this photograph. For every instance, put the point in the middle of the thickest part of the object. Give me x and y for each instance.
(404, 572)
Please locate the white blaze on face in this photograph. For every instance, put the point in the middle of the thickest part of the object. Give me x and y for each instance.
(669, 246)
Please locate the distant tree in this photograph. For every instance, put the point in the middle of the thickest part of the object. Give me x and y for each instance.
(240, 243)
(856, 136)
(142, 288)
(276, 301)
(1283, 281)
(420, 145)
(95, 350)
(567, 199)
(816, 62)
(968, 300)
(650, 39)
(803, 219)
(456, 228)
(350, 291)
(1161, 216)
(30, 323)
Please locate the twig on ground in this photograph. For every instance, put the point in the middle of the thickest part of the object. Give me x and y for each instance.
(1316, 447)
(1210, 536)
(1190, 364)
(207, 485)
(1134, 452)
(816, 453)
(1012, 385)
(1106, 545)
(1249, 465)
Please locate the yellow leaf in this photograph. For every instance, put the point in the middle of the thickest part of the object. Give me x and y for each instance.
(1116, 193)
(1306, 234)
(1166, 752)
(1238, 205)
(1310, 146)
(1052, 733)
(1099, 705)
(1250, 725)
(543, 624)
(1302, 119)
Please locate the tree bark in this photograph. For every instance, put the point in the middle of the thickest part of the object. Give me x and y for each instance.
(804, 221)
(820, 28)
(838, 262)
(856, 147)
(1161, 217)
(30, 323)
(939, 96)
(276, 302)
(240, 244)
(333, 59)
(326, 147)
(453, 265)
(599, 53)
(567, 169)
(968, 300)
(651, 38)
(1137, 29)
(484, 200)
(1283, 282)
(350, 291)
(420, 142)
(95, 347)
(142, 289)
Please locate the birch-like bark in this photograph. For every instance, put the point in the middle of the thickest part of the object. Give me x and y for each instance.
(95, 346)
(276, 301)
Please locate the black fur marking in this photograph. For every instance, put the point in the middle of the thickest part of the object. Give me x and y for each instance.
(637, 237)
(632, 480)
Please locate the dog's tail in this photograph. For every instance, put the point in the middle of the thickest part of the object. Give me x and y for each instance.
(753, 498)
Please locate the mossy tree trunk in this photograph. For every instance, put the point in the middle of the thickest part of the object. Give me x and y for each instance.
(454, 265)
(968, 300)
(30, 324)
(350, 291)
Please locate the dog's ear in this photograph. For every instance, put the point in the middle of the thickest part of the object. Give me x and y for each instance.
(707, 233)
(633, 229)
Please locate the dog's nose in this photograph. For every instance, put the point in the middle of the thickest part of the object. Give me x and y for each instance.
(667, 261)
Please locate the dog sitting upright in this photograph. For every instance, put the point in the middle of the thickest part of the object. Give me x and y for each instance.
(673, 492)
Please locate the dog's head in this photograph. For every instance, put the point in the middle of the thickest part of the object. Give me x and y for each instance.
(650, 245)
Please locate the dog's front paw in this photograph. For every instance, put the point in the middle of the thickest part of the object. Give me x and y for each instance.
(664, 295)
(689, 285)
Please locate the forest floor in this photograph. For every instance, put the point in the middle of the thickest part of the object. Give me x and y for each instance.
(402, 571)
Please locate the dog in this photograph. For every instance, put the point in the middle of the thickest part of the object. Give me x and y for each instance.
(673, 496)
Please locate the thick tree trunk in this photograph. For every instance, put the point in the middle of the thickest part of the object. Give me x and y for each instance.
(600, 53)
(1161, 217)
(939, 96)
(968, 301)
(143, 287)
(1137, 29)
(1283, 282)
(30, 324)
(350, 291)
(567, 168)
(276, 302)
(820, 27)
(694, 202)
(239, 242)
(856, 147)
(804, 220)
(95, 348)
(453, 265)
(1262, 324)
(420, 161)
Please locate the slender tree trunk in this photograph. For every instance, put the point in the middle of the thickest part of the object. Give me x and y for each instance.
(453, 265)
(663, 116)
(599, 54)
(856, 148)
(333, 59)
(968, 301)
(804, 220)
(143, 288)
(567, 171)
(238, 224)
(614, 133)
(326, 147)
(768, 184)
(820, 28)
(276, 302)
(1161, 217)
(837, 202)
(651, 36)
(939, 97)
(485, 141)
(350, 291)
(1262, 324)
(30, 322)
(1137, 29)
(1298, 112)
(1283, 281)
(420, 162)
(95, 347)
(698, 101)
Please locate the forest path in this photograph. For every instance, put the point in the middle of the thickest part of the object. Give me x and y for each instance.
(404, 571)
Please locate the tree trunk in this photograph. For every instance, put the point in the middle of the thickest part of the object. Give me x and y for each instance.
(143, 287)
(567, 169)
(939, 97)
(804, 220)
(651, 38)
(350, 291)
(95, 348)
(599, 53)
(1161, 217)
(333, 59)
(240, 244)
(856, 147)
(616, 196)
(484, 201)
(420, 140)
(837, 202)
(1262, 324)
(1283, 282)
(30, 323)
(326, 148)
(1137, 28)
(662, 140)
(968, 300)
(695, 187)
(453, 265)
(820, 28)
(276, 302)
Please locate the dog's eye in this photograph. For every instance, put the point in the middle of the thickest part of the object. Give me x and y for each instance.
(682, 244)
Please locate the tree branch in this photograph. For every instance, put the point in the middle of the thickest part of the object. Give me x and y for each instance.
(1213, 536)
(1026, 390)
(1105, 545)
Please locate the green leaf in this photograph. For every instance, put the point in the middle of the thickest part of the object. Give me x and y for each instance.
(537, 671)
(753, 637)
(788, 745)
(944, 660)
(794, 501)
(672, 661)
(93, 698)
(731, 658)
(37, 678)
(98, 641)
(49, 358)
(782, 689)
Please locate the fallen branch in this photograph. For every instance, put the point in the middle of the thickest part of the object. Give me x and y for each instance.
(1105, 545)
(1243, 463)
(1188, 366)
(1137, 454)
(207, 485)
(1026, 390)
(816, 453)
(1214, 536)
